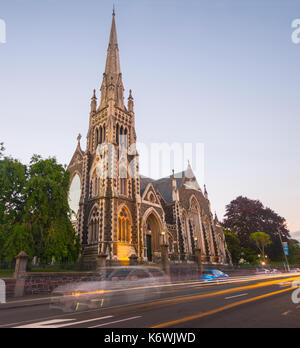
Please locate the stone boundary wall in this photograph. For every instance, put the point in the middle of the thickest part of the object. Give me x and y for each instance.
(10, 286)
(45, 283)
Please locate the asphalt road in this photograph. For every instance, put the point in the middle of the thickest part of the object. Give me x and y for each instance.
(240, 303)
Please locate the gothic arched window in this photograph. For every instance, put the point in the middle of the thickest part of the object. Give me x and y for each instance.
(104, 134)
(94, 224)
(74, 196)
(196, 223)
(123, 186)
(117, 133)
(101, 135)
(187, 233)
(124, 226)
(97, 137)
(126, 138)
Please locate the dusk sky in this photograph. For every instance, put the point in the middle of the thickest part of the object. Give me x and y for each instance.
(224, 73)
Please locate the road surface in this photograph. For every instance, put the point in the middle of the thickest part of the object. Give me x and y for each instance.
(239, 303)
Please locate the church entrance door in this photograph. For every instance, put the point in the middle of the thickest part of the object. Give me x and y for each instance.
(149, 248)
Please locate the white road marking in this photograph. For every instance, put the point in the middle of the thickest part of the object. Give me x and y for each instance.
(114, 322)
(87, 321)
(52, 324)
(228, 298)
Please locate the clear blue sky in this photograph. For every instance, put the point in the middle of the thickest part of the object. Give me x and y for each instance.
(221, 72)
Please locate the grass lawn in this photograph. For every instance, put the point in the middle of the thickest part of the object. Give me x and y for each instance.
(45, 270)
(6, 272)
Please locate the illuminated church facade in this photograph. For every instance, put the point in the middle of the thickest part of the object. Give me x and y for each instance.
(121, 213)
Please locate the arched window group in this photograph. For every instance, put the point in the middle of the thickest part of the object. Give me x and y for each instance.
(123, 186)
(95, 186)
(209, 234)
(188, 233)
(94, 224)
(74, 196)
(123, 175)
(100, 135)
(122, 136)
(196, 223)
(124, 226)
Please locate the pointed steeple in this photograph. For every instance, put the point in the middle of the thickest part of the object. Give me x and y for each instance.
(113, 59)
(205, 192)
(112, 86)
(175, 193)
(189, 174)
(94, 102)
(216, 218)
(130, 102)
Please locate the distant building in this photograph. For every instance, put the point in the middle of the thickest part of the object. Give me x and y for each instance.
(120, 215)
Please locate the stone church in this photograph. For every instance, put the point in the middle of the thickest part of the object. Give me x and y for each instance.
(121, 213)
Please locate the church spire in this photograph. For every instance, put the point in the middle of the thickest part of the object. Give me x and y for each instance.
(113, 59)
(112, 87)
(94, 102)
(130, 102)
(205, 192)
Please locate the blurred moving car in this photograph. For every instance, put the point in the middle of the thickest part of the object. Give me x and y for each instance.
(295, 270)
(262, 271)
(274, 271)
(113, 286)
(213, 275)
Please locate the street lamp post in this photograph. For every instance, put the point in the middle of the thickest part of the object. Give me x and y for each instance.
(286, 259)
(165, 253)
(198, 255)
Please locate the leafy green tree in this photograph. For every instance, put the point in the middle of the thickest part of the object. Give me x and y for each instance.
(262, 240)
(245, 216)
(13, 177)
(294, 252)
(17, 238)
(34, 210)
(249, 256)
(47, 211)
(234, 246)
(2, 149)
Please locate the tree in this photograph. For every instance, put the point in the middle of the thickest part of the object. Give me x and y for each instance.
(245, 216)
(294, 252)
(47, 211)
(262, 240)
(2, 149)
(17, 238)
(249, 256)
(13, 177)
(34, 210)
(234, 246)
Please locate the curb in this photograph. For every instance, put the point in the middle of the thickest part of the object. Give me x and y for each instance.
(24, 304)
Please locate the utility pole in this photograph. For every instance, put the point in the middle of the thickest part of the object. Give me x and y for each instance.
(286, 259)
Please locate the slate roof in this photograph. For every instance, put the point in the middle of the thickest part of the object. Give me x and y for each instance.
(164, 185)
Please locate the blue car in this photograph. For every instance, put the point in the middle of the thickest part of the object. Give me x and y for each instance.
(208, 276)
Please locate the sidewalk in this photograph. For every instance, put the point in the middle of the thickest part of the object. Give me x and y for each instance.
(26, 301)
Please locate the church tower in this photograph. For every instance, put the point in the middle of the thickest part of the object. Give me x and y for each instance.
(108, 213)
(116, 212)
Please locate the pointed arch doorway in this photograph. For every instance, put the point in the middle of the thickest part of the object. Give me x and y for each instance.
(153, 237)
